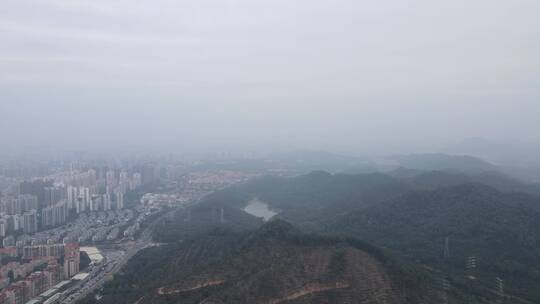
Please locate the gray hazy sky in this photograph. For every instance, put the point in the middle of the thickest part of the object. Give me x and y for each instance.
(345, 75)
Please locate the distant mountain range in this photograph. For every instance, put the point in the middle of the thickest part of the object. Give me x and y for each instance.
(518, 158)
(303, 162)
(509, 151)
(444, 162)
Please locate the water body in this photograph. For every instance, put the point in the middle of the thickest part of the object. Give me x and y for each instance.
(259, 209)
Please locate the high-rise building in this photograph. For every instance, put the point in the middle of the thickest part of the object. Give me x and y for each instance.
(72, 195)
(106, 201)
(84, 194)
(123, 182)
(4, 227)
(17, 222)
(14, 206)
(80, 205)
(71, 259)
(43, 251)
(119, 200)
(11, 206)
(96, 203)
(35, 283)
(35, 188)
(137, 181)
(16, 292)
(8, 241)
(110, 178)
(54, 215)
(109, 189)
(30, 222)
(53, 273)
(53, 195)
(28, 202)
(148, 174)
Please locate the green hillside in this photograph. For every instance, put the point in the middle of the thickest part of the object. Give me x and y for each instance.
(273, 264)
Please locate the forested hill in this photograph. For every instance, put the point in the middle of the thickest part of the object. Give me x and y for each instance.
(319, 193)
(272, 264)
(217, 253)
(482, 215)
(501, 230)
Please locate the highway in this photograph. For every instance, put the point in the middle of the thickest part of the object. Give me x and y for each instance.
(112, 263)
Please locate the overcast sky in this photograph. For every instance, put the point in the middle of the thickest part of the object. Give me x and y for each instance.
(344, 75)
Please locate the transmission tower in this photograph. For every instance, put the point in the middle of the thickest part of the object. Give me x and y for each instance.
(445, 289)
(499, 288)
(470, 269)
(499, 285)
(471, 264)
(446, 248)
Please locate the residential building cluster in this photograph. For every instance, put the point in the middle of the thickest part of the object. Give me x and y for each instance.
(21, 281)
(144, 212)
(194, 185)
(160, 199)
(86, 192)
(18, 214)
(96, 227)
(217, 179)
(54, 200)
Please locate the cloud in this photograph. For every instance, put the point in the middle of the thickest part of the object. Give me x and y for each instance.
(321, 70)
(33, 31)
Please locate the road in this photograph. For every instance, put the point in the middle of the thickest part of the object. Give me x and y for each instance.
(112, 263)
